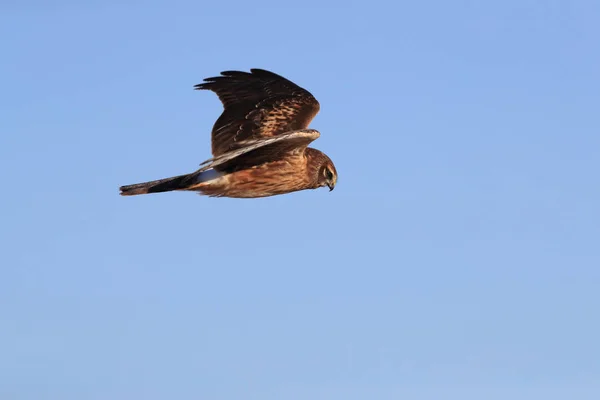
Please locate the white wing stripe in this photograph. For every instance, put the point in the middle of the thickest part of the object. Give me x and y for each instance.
(249, 145)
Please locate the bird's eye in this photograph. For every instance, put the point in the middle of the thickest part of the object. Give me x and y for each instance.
(328, 174)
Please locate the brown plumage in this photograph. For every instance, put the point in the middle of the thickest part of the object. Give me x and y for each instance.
(259, 142)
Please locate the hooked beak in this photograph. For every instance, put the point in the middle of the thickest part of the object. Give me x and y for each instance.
(331, 186)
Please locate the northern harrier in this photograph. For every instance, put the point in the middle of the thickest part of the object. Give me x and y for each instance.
(259, 143)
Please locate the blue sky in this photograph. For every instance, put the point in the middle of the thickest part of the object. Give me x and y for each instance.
(457, 258)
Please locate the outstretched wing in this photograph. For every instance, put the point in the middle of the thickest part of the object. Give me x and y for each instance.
(258, 151)
(257, 104)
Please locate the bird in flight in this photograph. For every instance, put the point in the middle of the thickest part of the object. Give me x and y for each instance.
(259, 142)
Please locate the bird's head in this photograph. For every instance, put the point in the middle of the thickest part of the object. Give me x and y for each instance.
(328, 175)
(321, 170)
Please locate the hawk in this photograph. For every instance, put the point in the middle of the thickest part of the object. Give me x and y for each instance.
(259, 142)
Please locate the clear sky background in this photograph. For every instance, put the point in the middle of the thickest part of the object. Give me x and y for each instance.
(458, 257)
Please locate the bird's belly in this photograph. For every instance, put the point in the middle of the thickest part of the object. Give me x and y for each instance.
(262, 181)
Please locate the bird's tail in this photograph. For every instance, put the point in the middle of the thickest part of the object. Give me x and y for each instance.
(161, 185)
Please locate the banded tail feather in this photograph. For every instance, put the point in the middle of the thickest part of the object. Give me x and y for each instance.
(180, 182)
(157, 186)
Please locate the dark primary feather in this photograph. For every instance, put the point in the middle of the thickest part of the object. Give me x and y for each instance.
(257, 104)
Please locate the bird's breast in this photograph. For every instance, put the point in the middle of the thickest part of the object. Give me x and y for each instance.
(269, 179)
